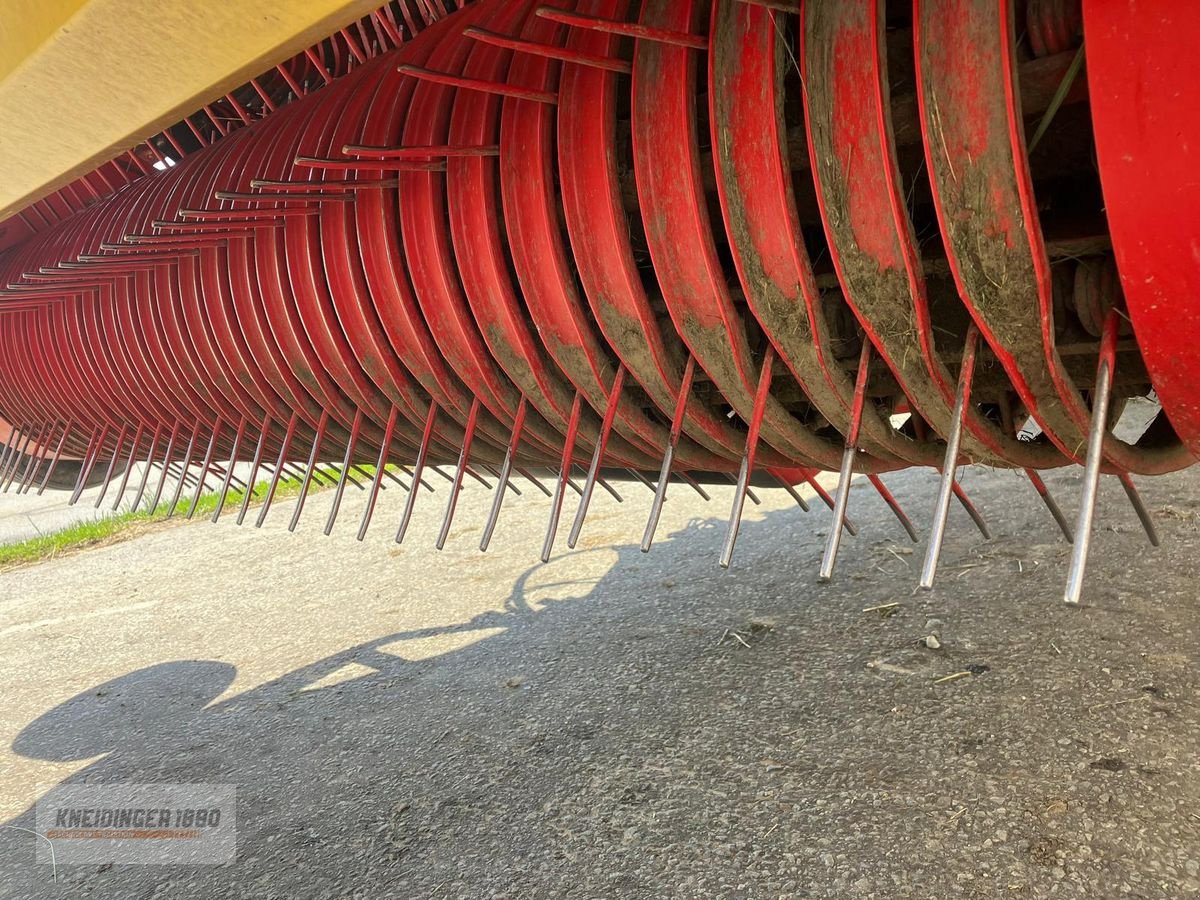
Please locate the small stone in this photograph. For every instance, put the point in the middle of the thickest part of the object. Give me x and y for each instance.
(932, 642)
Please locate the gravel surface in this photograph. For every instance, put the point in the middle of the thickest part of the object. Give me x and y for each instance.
(403, 723)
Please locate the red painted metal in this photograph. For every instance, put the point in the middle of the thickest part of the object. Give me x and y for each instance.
(619, 231)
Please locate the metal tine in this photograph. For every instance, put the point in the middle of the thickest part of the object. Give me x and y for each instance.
(750, 495)
(960, 494)
(608, 487)
(495, 473)
(385, 448)
(187, 464)
(392, 476)
(112, 464)
(340, 491)
(62, 441)
(962, 396)
(642, 479)
(281, 462)
(137, 499)
(687, 479)
(318, 438)
(589, 484)
(564, 477)
(206, 465)
(849, 454)
(38, 461)
(443, 473)
(532, 479)
(23, 460)
(456, 487)
(1095, 453)
(418, 470)
(1056, 513)
(1139, 507)
(166, 467)
(14, 452)
(133, 450)
(743, 480)
(664, 473)
(792, 492)
(32, 460)
(233, 455)
(79, 478)
(851, 528)
(255, 464)
(895, 507)
(365, 474)
(425, 484)
(473, 474)
(89, 463)
(510, 453)
(8, 449)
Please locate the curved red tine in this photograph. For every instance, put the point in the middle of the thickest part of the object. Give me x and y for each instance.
(347, 461)
(112, 464)
(861, 195)
(285, 447)
(270, 186)
(39, 460)
(533, 479)
(313, 456)
(1095, 452)
(477, 84)
(895, 507)
(535, 48)
(589, 484)
(381, 465)
(962, 398)
(173, 505)
(9, 450)
(253, 197)
(972, 118)
(264, 435)
(503, 479)
(743, 479)
(10, 470)
(681, 242)
(452, 500)
(233, 458)
(21, 470)
(846, 473)
(137, 498)
(417, 471)
(381, 165)
(166, 467)
(564, 478)
(748, 100)
(206, 466)
(89, 461)
(627, 29)
(664, 473)
(54, 461)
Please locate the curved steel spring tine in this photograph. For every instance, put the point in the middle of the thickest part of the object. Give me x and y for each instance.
(137, 499)
(55, 460)
(851, 528)
(664, 473)
(846, 475)
(743, 479)
(133, 450)
(1139, 507)
(340, 491)
(385, 448)
(166, 466)
(532, 479)
(89, 460)
(962, 397)
(280, 464)
(255, 465)
(30, 460)
(318, 438)
(456, 487)
(895, 507)
(1055, 512)
(418, 470)
(564, 477)
(489, 527)
(589, 484)
(233, 456)
(112, 464)
(187, 463)
(205, 466)
(792, 492)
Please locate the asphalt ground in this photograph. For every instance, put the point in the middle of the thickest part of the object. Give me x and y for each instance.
(400, 722)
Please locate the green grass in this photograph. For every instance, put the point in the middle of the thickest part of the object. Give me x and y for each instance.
(127, 524)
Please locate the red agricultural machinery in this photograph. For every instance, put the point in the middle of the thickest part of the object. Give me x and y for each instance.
(697, 240)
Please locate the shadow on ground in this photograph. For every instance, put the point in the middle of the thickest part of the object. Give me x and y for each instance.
(683, 732)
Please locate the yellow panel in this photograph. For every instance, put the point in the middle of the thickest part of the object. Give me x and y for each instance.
(83, 80)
